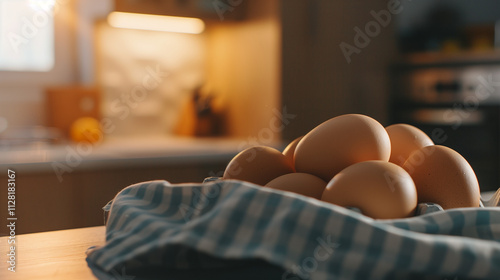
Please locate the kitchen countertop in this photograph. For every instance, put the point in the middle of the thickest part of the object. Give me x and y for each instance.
(119, 152)
(52, 255)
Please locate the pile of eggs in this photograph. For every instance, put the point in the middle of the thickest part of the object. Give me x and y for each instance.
(353, 161)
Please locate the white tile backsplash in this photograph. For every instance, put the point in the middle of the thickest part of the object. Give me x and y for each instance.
(146, 76)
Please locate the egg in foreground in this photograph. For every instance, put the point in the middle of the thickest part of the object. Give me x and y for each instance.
(405, 139)
(289, 150)
(258, 165)
(301, 183)
(340, 142)
(443, 176)
(380, 189)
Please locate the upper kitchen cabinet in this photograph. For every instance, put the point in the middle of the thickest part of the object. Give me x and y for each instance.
(216, 10)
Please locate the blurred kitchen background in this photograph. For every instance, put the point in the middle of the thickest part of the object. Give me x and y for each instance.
(175, 98)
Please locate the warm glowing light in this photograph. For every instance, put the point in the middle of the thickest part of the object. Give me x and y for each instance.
(27, 40)
(156, 23)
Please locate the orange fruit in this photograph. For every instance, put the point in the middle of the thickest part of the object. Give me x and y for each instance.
(86, 129)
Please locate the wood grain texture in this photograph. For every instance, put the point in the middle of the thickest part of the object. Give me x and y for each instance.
(318, 83)
(52, 255)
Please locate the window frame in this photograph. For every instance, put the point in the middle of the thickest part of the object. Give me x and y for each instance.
(65, 58)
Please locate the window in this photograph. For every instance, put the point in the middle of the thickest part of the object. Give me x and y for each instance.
(27, 35)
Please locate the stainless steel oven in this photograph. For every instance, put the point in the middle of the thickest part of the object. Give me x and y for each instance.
(457, 103)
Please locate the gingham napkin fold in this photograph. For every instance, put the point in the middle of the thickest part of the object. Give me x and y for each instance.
(172, 227)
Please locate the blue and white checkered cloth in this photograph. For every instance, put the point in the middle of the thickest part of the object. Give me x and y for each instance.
(186, 227)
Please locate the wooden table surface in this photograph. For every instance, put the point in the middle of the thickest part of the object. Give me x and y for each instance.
(51, 255)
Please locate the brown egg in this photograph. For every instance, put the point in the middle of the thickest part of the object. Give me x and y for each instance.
(405, 139)
(380, 189)
(339, 142)
(258, 165)
(301, 183)
(443, 176)
(290, 149)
